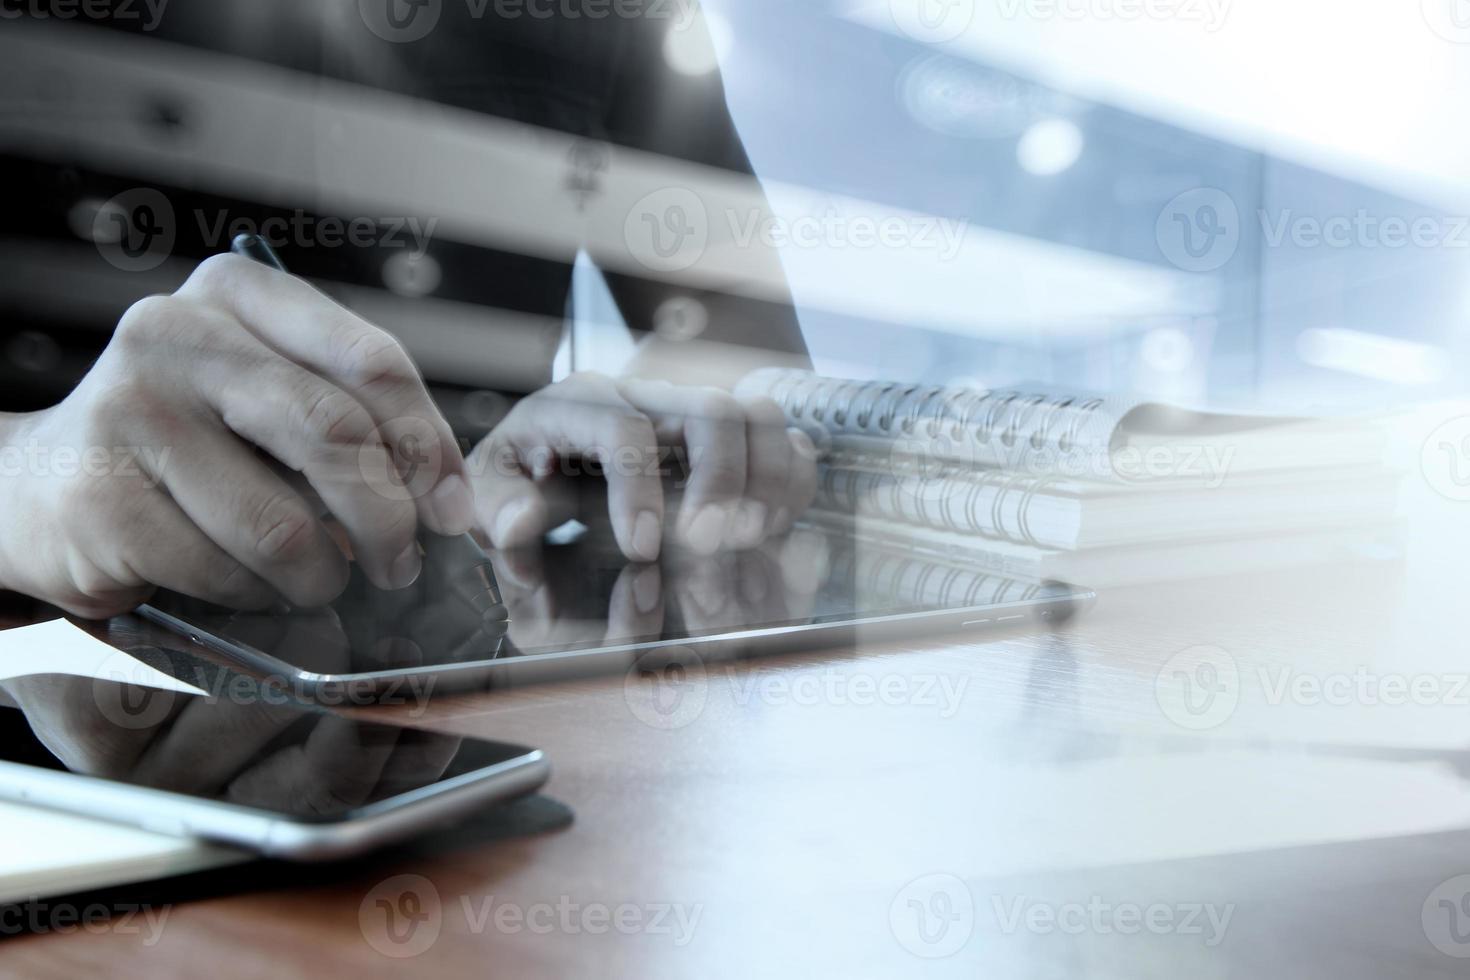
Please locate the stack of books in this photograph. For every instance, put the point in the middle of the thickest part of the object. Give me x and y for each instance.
(1047, 485)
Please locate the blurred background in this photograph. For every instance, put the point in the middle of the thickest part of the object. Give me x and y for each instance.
(1230, 203)
(1061, 132)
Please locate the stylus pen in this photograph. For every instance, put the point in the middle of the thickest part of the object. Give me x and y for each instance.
(458, 561)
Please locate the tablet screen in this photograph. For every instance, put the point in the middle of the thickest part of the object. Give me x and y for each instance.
(584, 595)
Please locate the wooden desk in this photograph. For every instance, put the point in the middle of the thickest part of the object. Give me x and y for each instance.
(800, 822)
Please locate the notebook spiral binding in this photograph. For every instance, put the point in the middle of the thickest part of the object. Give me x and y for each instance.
(963, 501)
(913, 579)
(982, 415)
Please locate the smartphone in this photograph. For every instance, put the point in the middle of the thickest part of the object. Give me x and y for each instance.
(579, 607)
(255, 771)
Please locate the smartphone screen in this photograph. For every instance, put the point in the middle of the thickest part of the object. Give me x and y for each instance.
(257, 751)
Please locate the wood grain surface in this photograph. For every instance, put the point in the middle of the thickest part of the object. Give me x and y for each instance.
(1004, 805)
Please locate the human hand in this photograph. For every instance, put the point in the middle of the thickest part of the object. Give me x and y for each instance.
(749, 476)
(242, 361)
(574, 601)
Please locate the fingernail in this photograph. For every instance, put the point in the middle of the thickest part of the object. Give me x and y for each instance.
(453, 505)
(647, 589)
(749, 524)
(802, 443)
(707, 529)
(709, 588)
(805, 561)
(505, 524)
(646, 536)
(406, 567)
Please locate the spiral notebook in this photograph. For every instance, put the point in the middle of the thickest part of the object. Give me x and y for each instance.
(907, 577)
(1054, 513)
(1160, 561)
(1045, 431)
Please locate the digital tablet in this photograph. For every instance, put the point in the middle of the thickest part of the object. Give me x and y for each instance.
(581, 607)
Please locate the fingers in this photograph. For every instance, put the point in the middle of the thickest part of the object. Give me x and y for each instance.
(805, 561)
(749, 476)
(801, 483)
(762, 496)
(569, 613)
(307, 327)
(314, 640)
(243, 352)
(168, 550)
(334, 769)
(781, 469)
(715, 512)
(584, 416)
(636, 607)
(257, 519)
(747, 590)
(775, 471)
(711, 426)
(209, 742)
(707, 595)
(63, 713)
(419, 759)
(197, 361)
(508, 504)
(624, 442)
(318, 429)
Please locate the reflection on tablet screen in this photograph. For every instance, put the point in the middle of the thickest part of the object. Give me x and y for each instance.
(585, 595)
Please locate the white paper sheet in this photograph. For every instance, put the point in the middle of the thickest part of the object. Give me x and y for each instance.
(59, 647)
(46, 852)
